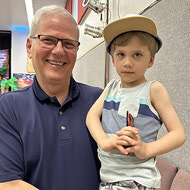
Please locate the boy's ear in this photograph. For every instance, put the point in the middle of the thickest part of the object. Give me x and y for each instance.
(113, 60)
(28, 47)
(151, 62)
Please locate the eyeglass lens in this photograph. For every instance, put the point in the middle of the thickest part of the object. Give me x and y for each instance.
(51, 41)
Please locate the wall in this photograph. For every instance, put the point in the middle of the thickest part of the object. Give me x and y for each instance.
(172, 63)
(91, 68)
(172, 66)
(19, 55)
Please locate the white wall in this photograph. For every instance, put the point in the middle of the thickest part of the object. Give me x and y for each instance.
(18, 52)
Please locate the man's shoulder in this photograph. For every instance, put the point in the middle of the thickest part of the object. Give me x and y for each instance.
(90, 89)
(19, 94)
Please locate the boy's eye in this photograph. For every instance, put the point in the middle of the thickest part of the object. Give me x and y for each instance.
(137, 55)
(120, 54)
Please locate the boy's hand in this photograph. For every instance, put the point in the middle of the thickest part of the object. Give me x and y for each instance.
(129, 141)
(126, 138)
(123, 138)
(127, 134)
(109, 145)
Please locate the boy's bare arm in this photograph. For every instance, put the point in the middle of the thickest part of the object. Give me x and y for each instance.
(176, 135)
(16, 185)
(93, 121)
(94, 125)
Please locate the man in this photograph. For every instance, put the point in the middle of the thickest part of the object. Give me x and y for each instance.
(44, 142)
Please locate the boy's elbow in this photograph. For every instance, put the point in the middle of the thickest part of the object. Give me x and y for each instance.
(89, 118)
(182, 138)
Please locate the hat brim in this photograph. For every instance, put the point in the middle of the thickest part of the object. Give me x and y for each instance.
(129, 24)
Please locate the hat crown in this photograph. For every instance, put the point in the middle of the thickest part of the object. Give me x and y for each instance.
(129, 23)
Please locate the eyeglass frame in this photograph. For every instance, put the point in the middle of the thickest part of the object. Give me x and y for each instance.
(58, 39)
(130, 121)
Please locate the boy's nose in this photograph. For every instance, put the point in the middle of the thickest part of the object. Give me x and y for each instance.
(127, 62)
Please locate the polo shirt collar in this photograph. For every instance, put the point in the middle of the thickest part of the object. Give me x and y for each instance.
(74, 90)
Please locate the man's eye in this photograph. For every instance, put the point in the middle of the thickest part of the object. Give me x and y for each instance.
(68, 45)
(48, 41)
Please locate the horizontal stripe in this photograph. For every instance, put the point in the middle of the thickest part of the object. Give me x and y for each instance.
(109, 99)
(111, 105)
(143, 101)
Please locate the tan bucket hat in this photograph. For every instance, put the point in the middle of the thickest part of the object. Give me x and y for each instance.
(131, 22)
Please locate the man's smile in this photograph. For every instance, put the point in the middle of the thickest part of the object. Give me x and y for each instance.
(56, 63)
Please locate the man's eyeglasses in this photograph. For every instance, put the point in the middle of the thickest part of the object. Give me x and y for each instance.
(130, 120)
(51, 41)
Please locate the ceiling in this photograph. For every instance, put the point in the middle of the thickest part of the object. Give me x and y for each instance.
(13, 12)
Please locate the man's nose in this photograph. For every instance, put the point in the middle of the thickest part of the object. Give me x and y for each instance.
(59, 47)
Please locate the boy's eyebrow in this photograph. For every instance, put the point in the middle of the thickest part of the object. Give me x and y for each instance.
(118, 51)
(122, 50)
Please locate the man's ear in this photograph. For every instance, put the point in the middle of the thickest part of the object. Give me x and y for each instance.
(151, 62)
(29, 47)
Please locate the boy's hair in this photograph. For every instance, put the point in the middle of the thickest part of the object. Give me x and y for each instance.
(145, 38)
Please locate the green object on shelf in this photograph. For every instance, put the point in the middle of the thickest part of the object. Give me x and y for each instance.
(5, 84)
(2, 70)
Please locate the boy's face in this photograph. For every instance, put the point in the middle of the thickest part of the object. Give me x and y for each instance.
(131, 62)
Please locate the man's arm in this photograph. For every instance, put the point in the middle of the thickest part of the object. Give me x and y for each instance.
(16, 185)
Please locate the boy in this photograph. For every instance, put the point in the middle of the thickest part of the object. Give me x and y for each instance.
(132, 43)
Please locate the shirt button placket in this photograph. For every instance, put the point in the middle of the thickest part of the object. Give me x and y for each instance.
(63, 128)
(60, 113)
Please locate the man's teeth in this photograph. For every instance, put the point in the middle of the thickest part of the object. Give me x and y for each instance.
(56, 63)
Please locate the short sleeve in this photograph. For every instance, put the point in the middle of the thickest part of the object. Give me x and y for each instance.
(11, 151)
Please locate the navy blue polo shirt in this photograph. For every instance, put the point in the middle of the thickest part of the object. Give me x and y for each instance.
(47, 144)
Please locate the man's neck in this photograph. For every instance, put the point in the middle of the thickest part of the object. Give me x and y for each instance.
(58, 89)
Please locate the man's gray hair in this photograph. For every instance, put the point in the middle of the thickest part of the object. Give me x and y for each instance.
(50, 10)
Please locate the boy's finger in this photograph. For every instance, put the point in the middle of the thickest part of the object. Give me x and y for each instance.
(132, 130)
(123, 150)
